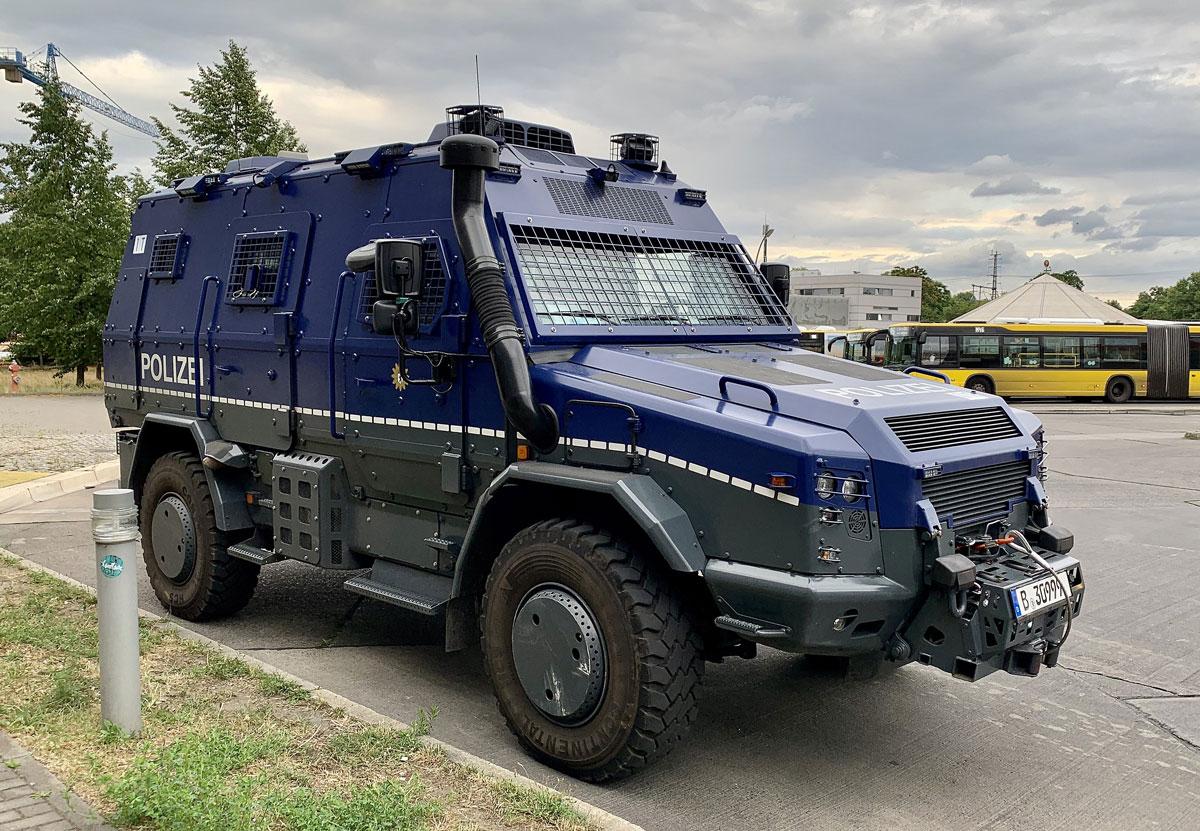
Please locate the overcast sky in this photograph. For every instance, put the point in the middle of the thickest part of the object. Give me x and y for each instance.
(868, 134)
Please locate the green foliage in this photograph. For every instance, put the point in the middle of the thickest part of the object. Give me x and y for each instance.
(230, 119)
(62, 243)
(520, 802)
(938, 303)
(217, 781)
(277, 686)
(373, 745)
(1116, 304)
(1070, 277)
(1178, 302)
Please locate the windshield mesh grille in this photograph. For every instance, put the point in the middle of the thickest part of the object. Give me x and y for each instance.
(967, 497)
(930, 431)
(600, 279)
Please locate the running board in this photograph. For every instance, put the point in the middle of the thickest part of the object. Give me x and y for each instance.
(251, 553)
(751, 630)
(409, 588)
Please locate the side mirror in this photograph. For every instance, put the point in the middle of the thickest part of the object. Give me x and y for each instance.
(397, 263)
(779, 278)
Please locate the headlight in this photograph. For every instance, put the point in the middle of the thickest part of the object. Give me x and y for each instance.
(852, 490)
(826, 484)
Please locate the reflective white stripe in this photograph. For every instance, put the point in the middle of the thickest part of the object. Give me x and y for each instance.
(788, 498)
(695, 468)
(677, 462)
(739, 483)
(763, 490)
(719, 476)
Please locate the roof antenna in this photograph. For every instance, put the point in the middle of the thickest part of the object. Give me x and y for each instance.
(478, 94)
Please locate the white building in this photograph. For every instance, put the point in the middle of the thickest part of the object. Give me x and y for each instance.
(853, 300)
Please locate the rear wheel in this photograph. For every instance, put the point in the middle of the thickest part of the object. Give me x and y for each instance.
(185, 553)
(1119, 391)
(594, 661)
(981, 383)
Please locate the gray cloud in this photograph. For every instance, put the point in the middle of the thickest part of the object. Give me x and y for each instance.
(1081, 221)
(852, 128)
(1018, 184)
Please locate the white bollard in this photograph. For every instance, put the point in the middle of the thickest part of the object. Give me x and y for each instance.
(115, 530)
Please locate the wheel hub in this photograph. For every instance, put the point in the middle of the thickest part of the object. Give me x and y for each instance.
(173, 535)
(558, 651)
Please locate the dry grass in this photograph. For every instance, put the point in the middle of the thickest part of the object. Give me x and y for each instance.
(16, 477)
(35, 381)
(225, 745)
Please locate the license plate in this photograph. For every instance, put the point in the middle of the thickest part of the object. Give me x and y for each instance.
(1040, 594)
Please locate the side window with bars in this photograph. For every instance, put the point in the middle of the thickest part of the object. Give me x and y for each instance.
(167, 257)
(433, 288)
(259, 269)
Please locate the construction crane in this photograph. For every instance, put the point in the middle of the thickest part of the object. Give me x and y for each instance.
(17, 69)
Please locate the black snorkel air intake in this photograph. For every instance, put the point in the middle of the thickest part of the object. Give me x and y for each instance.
(469, 157)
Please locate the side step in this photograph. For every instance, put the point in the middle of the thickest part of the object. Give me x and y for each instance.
(251, 553)
(751, 630)
(409, 588)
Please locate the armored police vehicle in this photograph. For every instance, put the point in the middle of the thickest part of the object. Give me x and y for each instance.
(549, 399)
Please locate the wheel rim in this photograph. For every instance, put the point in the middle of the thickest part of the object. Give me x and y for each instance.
(173, 535)
(558, 653)
(980, 386)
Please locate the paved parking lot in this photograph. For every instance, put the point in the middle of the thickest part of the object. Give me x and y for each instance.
(1108, 740)
(52, 433)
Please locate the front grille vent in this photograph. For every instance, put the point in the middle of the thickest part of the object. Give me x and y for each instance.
(609, 202)
(930, 431)
(968, 497)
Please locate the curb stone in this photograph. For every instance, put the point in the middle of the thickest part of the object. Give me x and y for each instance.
(597, 816)
(67, 806)
(49, 487)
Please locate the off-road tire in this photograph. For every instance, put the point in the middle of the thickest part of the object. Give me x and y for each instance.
(654, 653)
(1119, 390)
(981, 383)
(218, 584)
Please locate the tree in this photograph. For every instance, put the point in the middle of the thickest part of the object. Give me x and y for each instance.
(1070, 277)
(938, 304)
(1178, 302)
(232, 119)
(67, 229)
(1116, 304)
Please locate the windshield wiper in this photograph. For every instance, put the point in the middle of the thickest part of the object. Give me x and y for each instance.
(733, 318)
(666, 318)
(583, 313)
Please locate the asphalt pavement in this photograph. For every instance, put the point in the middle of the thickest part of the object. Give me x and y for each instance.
(1108, 740)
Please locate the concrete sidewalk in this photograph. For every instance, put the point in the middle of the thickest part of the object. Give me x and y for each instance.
(31, 797)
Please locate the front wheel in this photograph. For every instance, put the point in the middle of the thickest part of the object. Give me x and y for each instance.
(1119, 391)
(981, 383)
(592, 656)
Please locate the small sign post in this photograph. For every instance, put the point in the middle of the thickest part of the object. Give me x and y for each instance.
(115, 531)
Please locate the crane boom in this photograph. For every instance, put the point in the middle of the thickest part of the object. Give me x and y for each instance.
(17, 69)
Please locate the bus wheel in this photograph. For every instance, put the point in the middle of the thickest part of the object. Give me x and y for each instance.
(981, 383)
(1119, 391)
(593, 657)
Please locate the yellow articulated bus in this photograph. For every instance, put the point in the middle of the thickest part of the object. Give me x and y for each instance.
(1114, 361)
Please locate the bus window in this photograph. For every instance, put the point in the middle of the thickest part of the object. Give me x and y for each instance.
(903, 351)
(1021, 352)
(940, 350)
(982, 351)
(1091, 353)
(1061, 352)
(1124, 353)
(1194, 352)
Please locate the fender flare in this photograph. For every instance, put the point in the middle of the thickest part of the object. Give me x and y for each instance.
(161, 431)
(662, 519)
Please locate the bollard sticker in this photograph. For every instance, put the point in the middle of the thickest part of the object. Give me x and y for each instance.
(112, 565)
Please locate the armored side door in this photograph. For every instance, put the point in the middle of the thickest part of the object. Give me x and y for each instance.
(404, 435)
(247, 329)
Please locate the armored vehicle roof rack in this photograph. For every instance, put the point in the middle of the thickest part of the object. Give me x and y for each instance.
(251, 164)
(488, 120)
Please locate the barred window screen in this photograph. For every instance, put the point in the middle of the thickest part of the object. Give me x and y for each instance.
(547, 138)
(258, 271)
(166, 257)
(433, 288)
(592, 278)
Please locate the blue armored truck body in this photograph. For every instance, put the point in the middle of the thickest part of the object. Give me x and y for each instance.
(548, 398)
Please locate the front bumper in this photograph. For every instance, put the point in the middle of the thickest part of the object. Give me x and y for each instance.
(862, 614)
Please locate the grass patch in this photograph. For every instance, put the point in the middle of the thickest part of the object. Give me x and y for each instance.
(226, 746)
(1192, 436)
(38, 381)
